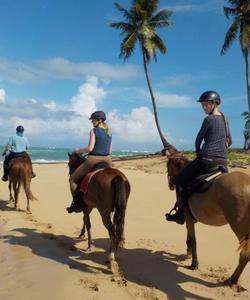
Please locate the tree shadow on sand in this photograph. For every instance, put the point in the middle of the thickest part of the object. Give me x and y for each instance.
(141, 266)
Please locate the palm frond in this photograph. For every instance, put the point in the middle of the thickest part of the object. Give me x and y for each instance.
(131, 40)
(163, 14)
(127, 14)
(228, 11)
(159, 44)
(230, 35)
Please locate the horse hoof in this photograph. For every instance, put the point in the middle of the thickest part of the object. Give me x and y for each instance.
(193, 267)
(89, 249)
(34, 199)
(235, 286)
(113, 266)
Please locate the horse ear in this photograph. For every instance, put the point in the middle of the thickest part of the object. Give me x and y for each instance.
(69, 155)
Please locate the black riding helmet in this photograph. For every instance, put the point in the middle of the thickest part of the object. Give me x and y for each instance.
(20, 128)
(210, 96)
(98, 115)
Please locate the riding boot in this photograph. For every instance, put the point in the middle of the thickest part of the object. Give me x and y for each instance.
(77, 203)
(179, 216)
(5, 176)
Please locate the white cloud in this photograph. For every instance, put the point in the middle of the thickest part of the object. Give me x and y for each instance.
(51, 106)
(60, 68)
(172, 100)
(84, 103)
(137, 127)
(196, 6)
(2, 95)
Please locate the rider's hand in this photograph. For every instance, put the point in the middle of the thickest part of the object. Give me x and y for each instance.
(4, 153)
(77, 150)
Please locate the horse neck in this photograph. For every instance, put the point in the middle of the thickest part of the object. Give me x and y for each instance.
(75, 163)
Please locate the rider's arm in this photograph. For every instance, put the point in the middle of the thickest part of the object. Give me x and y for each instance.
(90, 146)
(6, 148)
(201, 135)
(110, 148)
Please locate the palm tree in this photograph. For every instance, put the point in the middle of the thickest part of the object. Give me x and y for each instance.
(240, 11)
(246, 131)
(141, 22)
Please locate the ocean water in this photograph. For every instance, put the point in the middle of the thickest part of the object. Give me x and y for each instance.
(53, 155)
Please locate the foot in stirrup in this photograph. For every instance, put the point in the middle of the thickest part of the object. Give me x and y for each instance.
(178, 217)
(76, 204)
(5, 178)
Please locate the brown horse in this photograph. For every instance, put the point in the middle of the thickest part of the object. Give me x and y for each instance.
(227, 201)
(20, 174)
(108, 191)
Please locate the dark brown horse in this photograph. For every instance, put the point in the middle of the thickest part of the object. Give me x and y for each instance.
(20, 174)
(227, 201)
(108, 191)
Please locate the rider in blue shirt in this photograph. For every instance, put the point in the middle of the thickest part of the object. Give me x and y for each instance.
(17, 145)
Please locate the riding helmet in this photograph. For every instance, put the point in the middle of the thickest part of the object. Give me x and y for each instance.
(20, 128)
(210, 96)
(98, 115)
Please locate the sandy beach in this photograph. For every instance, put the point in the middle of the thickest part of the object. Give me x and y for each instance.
(42, 258)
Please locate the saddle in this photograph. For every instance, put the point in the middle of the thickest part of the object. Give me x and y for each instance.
(203, 182)
(84, 182)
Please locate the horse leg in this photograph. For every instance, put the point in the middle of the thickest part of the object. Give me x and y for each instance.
(239, 269)
(16, 187)
(106, 219)
(82, 234)
(191, 241)
(10, 190)
(27, 192)
(88, 227)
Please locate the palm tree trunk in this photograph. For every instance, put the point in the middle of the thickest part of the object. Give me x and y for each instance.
(167, 146)
(248, 87)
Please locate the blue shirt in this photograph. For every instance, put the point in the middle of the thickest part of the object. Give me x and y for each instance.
(18, 143)
(102, 142)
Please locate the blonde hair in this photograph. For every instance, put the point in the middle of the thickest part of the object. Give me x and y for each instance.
(107, 129)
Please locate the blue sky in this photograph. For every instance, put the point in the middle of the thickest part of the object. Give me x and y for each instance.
(59, 61)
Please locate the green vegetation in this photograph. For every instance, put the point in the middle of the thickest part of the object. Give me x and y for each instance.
(237, 157)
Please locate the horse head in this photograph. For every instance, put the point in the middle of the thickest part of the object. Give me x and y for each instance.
(75, 160)
(175, 163)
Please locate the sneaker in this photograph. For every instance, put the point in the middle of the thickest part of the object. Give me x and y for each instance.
(178, 217)
(5, 178)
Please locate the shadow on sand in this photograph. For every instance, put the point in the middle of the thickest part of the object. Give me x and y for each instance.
(141, 266)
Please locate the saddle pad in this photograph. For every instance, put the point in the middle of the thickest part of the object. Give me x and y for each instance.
(86, 180)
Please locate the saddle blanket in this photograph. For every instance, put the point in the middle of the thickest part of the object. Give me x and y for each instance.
(86, 180)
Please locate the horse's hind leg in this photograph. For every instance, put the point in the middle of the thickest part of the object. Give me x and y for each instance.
(28, 193)
(236, 274)
(10, 190)
(111, 257)
(244, 258)
(16, 187)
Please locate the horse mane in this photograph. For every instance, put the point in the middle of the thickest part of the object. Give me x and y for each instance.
(178, 158)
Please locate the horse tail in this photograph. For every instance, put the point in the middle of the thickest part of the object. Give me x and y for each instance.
(120, 203)
(244, 247)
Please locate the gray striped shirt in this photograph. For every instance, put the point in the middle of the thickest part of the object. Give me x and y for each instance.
(213, 133)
